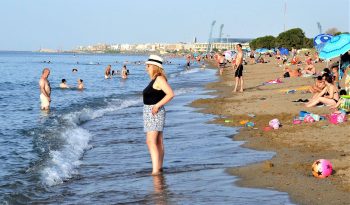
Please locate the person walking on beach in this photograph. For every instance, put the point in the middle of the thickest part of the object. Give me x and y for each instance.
(155, 96)
(45, 89)
(238, 67)
(108, 72)
(221, 63)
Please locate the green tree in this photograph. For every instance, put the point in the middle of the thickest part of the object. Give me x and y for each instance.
(292, 38)
(263, 42)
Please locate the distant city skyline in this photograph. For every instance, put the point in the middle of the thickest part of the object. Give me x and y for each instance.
(63, 24)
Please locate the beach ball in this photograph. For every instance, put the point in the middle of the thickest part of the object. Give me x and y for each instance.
(275, 123)
(309, 118)
(322, 168)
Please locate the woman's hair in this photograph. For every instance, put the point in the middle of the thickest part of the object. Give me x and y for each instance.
(158, 71)
(63, 80)
(326, 70)
(342, 92)
(329, 79)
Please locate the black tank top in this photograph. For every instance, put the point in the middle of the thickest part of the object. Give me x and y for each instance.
(152, 96)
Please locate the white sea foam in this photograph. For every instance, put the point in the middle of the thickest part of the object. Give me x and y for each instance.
(184, 72)
(63, 163)
(182, 91)
(193, 70)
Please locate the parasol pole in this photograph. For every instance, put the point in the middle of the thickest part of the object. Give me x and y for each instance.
(339, 67)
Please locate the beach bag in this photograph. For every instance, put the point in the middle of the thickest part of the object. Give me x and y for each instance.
(336, 118)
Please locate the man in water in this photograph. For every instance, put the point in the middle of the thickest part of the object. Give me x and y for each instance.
(63, 84)
(108, 72)
(238, 67)
(45, 90)
(80, 84)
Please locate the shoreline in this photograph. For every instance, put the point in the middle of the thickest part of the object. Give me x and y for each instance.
(296, 146)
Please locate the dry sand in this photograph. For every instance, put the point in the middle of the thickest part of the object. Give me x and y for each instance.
(296, 146)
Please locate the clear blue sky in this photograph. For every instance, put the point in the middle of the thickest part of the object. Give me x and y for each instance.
(65, 24)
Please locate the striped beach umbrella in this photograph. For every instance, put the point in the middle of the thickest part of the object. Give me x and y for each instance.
(320, 40)
(335, 47)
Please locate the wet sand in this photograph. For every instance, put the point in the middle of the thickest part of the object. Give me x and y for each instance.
(296, 146)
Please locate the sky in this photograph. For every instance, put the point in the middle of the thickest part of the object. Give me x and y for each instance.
(66, 24)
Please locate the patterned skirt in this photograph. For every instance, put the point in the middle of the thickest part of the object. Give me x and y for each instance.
(153, 122)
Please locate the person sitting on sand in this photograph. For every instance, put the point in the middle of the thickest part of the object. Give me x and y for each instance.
(309, 69)
(80, 84)
(328, 96)
(335, 75)
(292, 72)
(318, 86)
(317, 58)
(342, 103)
(347, 80)
(63, 84)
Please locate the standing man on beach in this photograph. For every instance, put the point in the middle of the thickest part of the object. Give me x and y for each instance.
(238, 67)
(45, 90)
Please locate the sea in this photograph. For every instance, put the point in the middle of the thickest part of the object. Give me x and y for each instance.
(90, 148)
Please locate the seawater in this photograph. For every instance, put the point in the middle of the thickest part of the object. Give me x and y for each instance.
(90, 148)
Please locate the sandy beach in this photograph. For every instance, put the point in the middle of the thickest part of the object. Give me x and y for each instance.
(296, 146)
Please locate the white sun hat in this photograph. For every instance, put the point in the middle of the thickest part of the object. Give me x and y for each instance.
(155, 60)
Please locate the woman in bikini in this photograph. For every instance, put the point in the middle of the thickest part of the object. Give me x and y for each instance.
(328, 96)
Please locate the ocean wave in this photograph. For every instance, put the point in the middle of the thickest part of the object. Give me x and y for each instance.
(184, 72)
(87, 114)
(182, 91)
(63, 163)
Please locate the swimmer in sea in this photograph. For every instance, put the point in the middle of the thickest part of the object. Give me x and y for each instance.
(80, 84)
(63, 84)
(124, 72)
(108, 72)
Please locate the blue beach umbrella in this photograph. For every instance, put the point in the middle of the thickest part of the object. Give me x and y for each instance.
(335, 47)
(320, 40)
(284, 51)
(262, 50)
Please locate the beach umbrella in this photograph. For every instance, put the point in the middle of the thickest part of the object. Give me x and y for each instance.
(261, 50)
(335, 47)
(284, 51)
(320, 40)
(229, 54)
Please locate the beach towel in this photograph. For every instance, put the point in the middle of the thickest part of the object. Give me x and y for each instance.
(276, 81)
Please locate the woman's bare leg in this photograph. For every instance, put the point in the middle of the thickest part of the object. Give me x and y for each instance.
(160, 147)
(153, 150)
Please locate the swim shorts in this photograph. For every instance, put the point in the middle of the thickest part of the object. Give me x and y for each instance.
(239, 71)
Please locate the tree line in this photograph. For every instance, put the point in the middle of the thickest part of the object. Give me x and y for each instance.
(293, 38)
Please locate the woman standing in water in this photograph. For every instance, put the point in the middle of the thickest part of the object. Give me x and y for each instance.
(155, 96)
